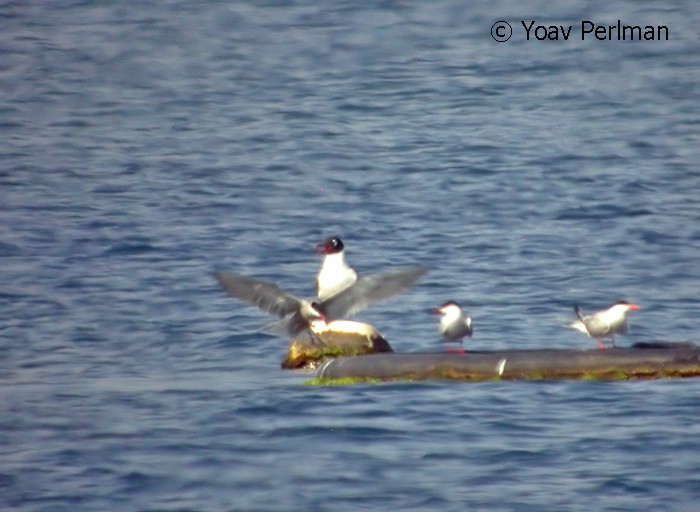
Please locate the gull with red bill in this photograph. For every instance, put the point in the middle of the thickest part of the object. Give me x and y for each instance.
(335, 274)
(336, 277)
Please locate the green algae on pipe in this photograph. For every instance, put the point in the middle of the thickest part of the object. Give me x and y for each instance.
(642, 361)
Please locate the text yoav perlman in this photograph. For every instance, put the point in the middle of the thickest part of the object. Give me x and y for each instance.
(592, 30)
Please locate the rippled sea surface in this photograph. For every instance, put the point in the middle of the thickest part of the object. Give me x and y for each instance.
(145, 145)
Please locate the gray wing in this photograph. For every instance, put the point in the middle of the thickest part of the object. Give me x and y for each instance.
(369, 289)
(620, 327)
(596, 327)
(269, 297)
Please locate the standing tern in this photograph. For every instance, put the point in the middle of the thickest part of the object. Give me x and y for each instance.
(454, 323)
(606, 323)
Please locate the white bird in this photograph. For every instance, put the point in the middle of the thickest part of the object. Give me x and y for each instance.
(606, 323)
(335, 277)
(335, 274)
(454, 323)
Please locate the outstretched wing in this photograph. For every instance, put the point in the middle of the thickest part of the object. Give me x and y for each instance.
(269, 297)
(369, 289)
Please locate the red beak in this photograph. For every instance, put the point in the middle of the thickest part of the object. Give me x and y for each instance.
(632, 307)
(321, 249)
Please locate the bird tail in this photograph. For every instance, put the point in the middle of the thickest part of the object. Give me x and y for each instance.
(309, 339)
(577, 325)
(380, 344)
(279, 327)
(577, 310)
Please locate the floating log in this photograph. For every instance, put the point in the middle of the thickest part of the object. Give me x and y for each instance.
(641, 361)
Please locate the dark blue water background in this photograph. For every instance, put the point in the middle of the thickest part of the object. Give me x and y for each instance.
(144, 145)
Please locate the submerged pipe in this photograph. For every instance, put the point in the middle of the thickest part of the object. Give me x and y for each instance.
(643, 360)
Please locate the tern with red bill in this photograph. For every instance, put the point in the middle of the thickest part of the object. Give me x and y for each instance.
(606, 323)
(454, 323)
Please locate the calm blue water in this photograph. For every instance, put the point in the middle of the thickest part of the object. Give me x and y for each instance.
(142, 147)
